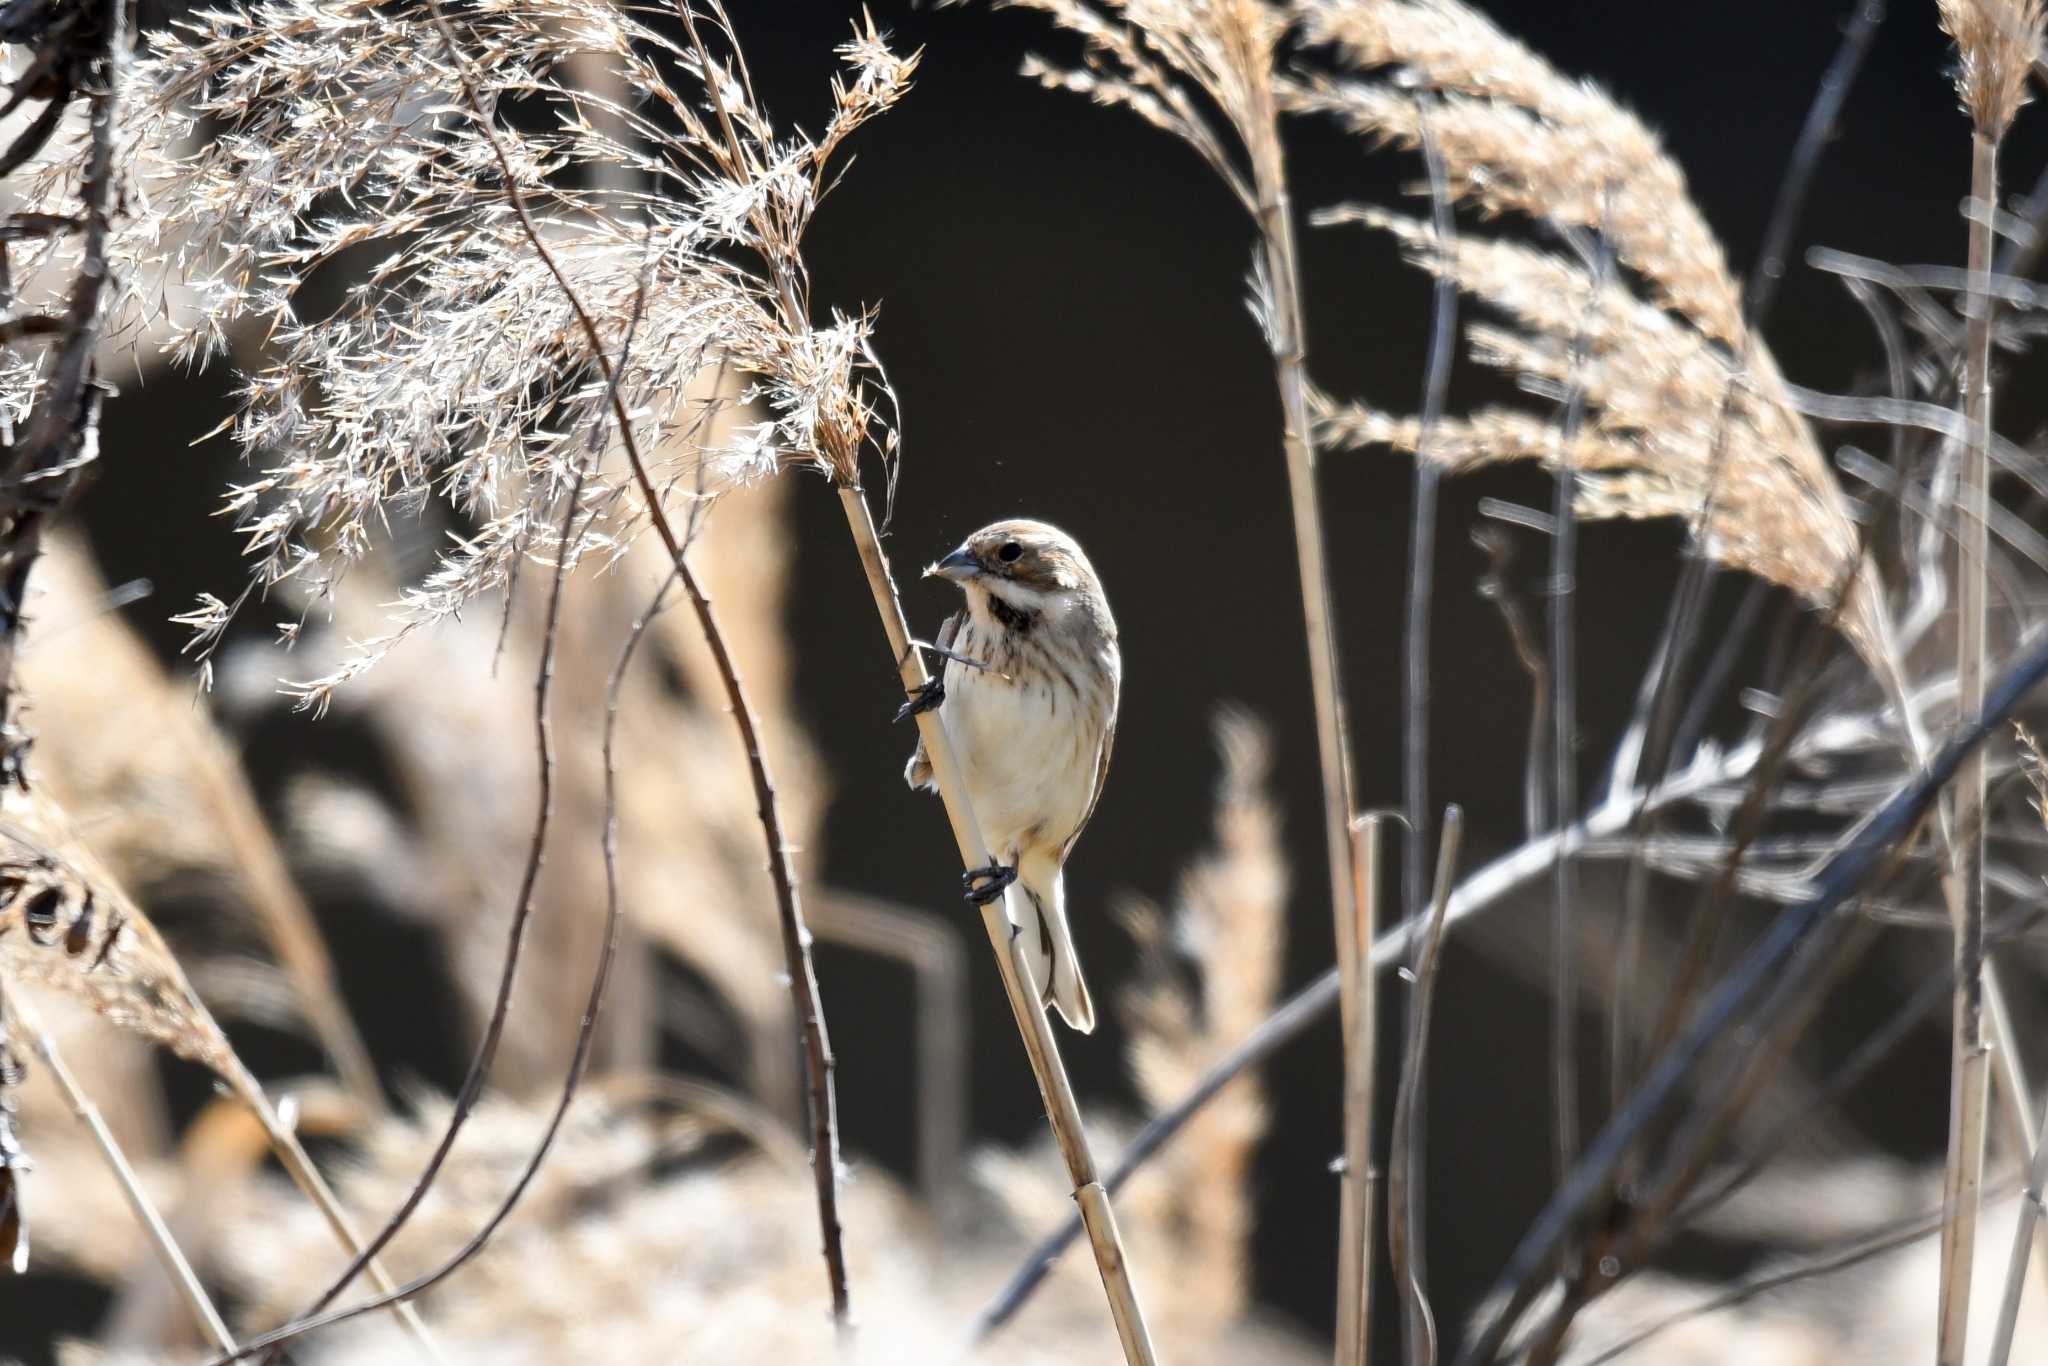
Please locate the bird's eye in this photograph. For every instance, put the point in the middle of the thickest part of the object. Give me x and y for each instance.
(1010, 551)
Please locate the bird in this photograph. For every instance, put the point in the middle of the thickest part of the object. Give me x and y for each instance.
(1028, 695)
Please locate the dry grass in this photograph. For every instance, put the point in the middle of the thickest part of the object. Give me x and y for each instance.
(1687, 415)
(458, 369)
(1229, 926)
(163, 794)
(439, 439)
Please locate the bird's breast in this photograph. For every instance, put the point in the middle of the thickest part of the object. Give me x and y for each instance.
(1029, 733)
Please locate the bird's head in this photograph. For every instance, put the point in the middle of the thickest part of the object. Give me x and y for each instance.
(1028, 566)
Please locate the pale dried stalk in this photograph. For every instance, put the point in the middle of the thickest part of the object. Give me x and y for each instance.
(938, 964)
(176, 1266)
(288, 923)
(1259, 126)
(1404, 1214)
(1061, 1110)
(1359, 999)
(1997, 40)
(1963, 1176)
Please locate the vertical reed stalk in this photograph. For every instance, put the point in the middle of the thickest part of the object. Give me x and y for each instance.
(1064, 1115)
(1561, 635)
(1997, 41)
(1273, 211)
(1360, 999)
(1969, 1076)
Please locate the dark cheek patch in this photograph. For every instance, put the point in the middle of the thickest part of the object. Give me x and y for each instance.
(1011, 618)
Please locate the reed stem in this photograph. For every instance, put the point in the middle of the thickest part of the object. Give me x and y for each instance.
(1098, 1218)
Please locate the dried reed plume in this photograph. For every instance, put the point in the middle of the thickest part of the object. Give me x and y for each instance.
(459, 368)
(68, 927)
(497, 332)
(1998, 42)
(1518, 137)
(1229, 925)
(1686, 413)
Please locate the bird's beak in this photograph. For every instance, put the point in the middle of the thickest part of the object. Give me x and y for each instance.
(959, 566)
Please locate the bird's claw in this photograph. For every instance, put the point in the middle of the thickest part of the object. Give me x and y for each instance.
(923, 698)
(983, 885)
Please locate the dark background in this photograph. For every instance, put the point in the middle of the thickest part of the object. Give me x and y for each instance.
(1061, 295)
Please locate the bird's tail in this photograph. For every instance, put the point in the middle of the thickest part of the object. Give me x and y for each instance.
(1038, 908)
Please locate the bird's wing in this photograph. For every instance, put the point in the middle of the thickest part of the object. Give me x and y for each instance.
(918, 772)
(1101, 776)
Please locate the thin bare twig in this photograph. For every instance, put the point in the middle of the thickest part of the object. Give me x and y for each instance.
(1485, 889)
(1562, 692)
(486, 1052)
(1443, 336)
(1844, 876)
(1359, 1190)
(1901, 1234)
(1404, 1213)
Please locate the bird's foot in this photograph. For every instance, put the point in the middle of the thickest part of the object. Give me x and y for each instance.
(983, 885)
(925, 697)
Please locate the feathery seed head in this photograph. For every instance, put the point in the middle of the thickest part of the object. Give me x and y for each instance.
(459, 371)
(1996, 41)
(1687, 415)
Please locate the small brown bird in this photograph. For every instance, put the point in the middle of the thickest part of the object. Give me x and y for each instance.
(1028, 695)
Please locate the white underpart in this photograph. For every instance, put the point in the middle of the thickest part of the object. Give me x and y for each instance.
(1029, 751)
(1027, 755)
